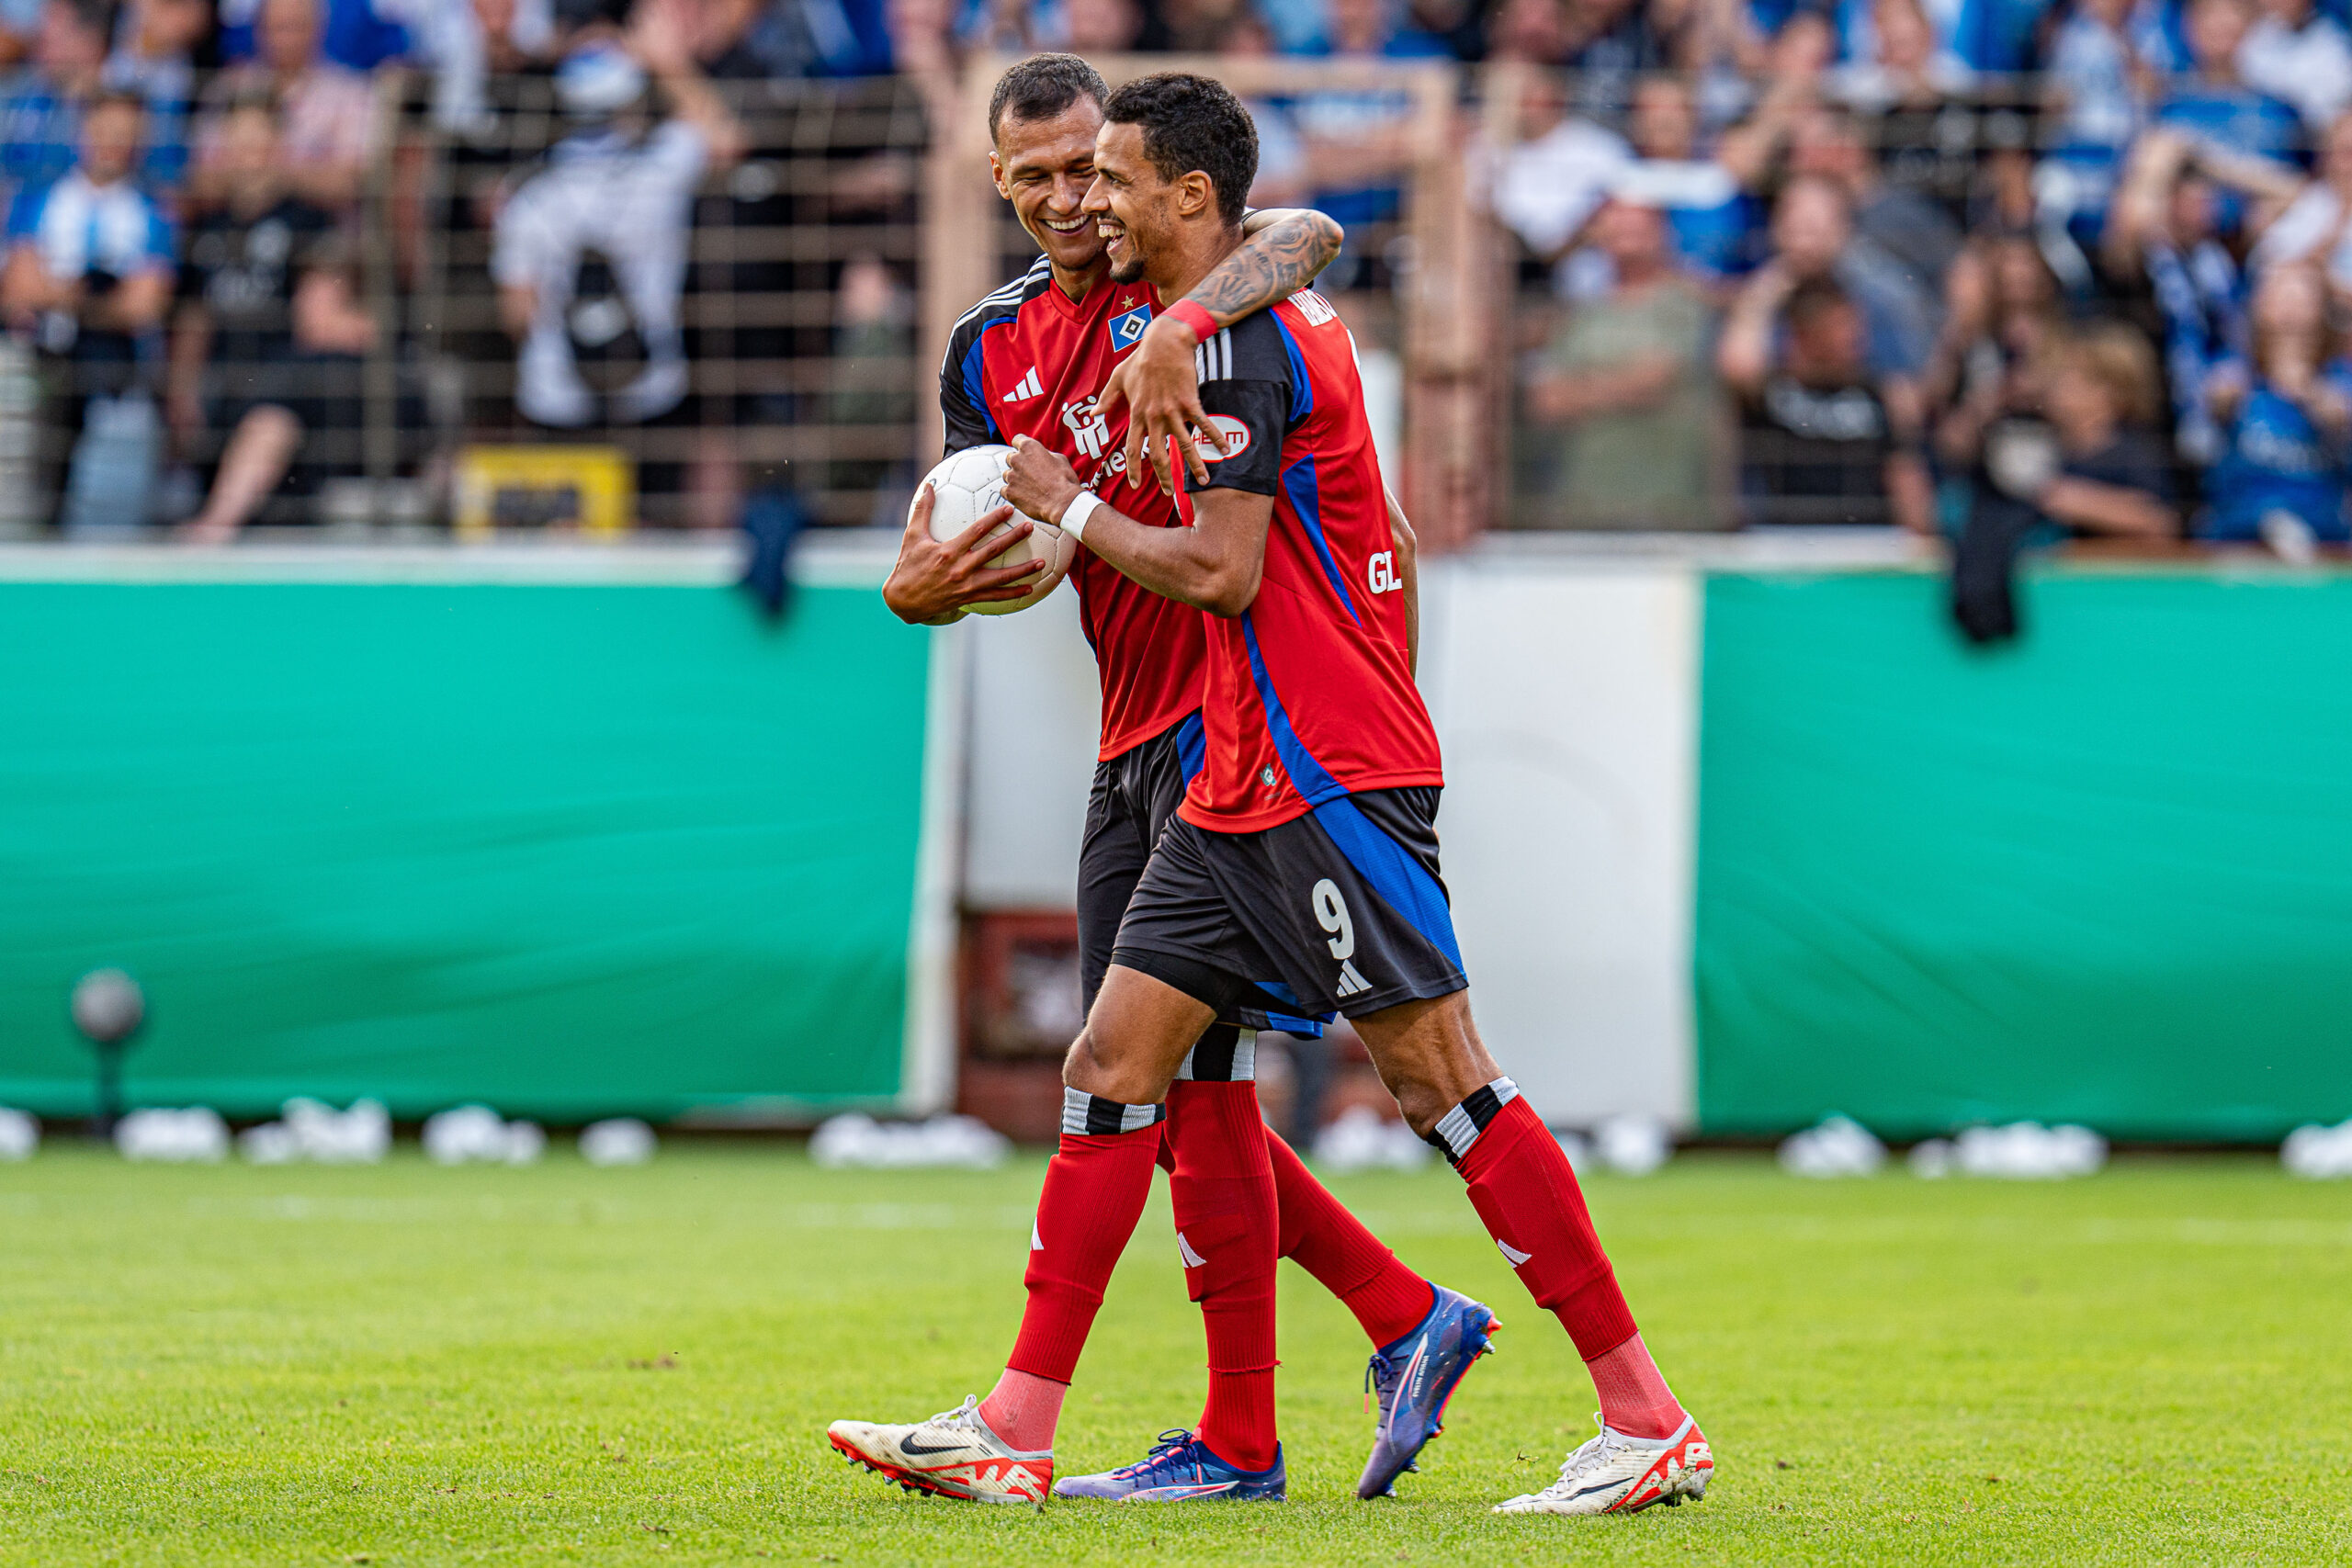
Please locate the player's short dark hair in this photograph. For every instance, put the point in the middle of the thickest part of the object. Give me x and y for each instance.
(1042, 86)
(1193, 122)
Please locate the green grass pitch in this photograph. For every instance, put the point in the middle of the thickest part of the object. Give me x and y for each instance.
(410, 1365)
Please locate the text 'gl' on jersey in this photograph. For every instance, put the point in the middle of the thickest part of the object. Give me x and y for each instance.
(1029, 360)
(1310, 691)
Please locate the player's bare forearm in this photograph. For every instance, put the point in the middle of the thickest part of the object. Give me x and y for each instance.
(1408, 578)
(1215, 565)
(1288, 248)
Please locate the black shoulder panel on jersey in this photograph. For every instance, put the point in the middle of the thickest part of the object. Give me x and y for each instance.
(1250, 373)
(968, 419)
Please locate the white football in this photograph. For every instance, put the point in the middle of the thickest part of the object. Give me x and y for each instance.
(967, 485)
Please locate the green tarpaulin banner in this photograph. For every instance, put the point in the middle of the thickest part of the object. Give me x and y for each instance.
(570, 850)
(2103, 875)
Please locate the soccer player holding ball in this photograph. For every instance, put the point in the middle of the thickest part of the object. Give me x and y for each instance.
(1032, 360)
(1306, 847)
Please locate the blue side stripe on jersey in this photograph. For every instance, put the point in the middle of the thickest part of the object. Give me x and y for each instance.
(1302, 390)
(1307, 776)
(1191, 746)
(1306, 500)
(972, 375)
(1395, 873)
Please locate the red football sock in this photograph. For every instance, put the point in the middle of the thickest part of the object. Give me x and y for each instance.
(1526, 1193)
(1223, 1190)
(1319, 1235)
(1094, 1193)
(1633, 1396)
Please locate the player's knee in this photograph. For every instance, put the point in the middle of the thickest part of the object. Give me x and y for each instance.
(1109, 1074)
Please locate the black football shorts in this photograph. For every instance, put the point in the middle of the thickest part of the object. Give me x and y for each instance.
(1133, 798)
(1339, 910)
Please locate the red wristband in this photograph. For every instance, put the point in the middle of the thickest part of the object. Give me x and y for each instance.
(1195, 316)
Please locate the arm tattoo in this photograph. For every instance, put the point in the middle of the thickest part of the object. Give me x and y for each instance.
(1269, 267)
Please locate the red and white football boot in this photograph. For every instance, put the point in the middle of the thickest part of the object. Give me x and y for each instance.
(953, 1454)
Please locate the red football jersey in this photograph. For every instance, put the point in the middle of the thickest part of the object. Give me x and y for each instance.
(1310, 694)
(1029, 360)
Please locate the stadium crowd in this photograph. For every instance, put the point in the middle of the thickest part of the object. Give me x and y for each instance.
(2004, 270)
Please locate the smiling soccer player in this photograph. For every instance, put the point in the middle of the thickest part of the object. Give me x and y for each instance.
(1032, 361)
(1307, 845)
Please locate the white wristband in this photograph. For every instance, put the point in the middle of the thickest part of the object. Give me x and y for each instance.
(1082, 507)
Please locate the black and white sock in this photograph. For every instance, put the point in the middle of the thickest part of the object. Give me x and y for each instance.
(1459, 1128)
(1226, 1053)
(1090, 1115)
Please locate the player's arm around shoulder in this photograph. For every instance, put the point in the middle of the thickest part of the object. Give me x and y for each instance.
(1215, 565)
(1288, 249)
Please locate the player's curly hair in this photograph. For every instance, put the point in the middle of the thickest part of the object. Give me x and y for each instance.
(1042, 86)
(1193, 122)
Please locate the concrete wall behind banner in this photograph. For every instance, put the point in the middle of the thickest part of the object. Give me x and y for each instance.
(1562, 688)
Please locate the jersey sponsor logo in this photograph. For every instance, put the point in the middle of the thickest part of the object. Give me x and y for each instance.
(1314, 307)
(1331, 914)
(1028, 387)
(1127, 331)
(1237, 439)
(1381, 573)
(1088, 428)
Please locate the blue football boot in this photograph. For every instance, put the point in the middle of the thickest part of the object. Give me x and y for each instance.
(1413, 1377)
(1179, 1468)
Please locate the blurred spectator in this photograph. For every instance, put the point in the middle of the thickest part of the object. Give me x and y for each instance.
(88, 278)
(592, 248)
(154, 56)
(1357, 142)
(2167, 226)
(2213, 103)
(1556, 176)
(2101, 88)
(1281, 151)
(2102, 472)
(1903, 240)
(1102, 26)
(463, 42)
(2300, 57)
(1715, 225)
(1628, 379)
(1902, 66)
(327, 113)
(1812, 242)
(357, 35)
(1608, 44)
(2287, 420)
(2004, 319)
(266, 341)
(919, 30)
(2316, 223)
(1823, 439)
(41, 106)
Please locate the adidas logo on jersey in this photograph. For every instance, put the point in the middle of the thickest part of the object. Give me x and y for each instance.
(1028, 387)
(1350, 983)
